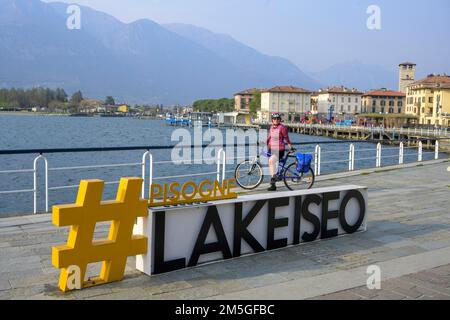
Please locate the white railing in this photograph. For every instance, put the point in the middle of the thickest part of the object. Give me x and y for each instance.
(147, 167)
(436, 132)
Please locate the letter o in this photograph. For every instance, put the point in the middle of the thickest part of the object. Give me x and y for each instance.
(362, 211)
(185, 186)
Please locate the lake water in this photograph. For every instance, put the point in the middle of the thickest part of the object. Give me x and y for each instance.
(39, 132)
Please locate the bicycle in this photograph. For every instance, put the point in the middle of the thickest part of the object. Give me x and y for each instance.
(249, 174)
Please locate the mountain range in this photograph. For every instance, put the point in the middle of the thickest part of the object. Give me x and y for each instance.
(138, 62)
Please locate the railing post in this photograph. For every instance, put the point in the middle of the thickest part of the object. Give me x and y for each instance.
(401, 154)
(420, 151)
(436, 150)
(317, 155)
(351, 158)
(150, 172)
(219, 159)
(224, 165)
(378, 161)
(35, 187)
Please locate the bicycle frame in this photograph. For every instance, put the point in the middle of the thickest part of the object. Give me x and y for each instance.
(282, 163)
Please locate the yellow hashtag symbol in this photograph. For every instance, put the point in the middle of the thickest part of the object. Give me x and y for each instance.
(81, 249)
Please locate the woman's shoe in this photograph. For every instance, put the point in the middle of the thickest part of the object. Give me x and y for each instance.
(273, 186)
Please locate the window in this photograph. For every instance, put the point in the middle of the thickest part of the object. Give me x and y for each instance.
(349, 99)
(349, 108)
(430, 100)
(374, 103)
(382, 109)
(342, 99)
(391, 103)
(399, 110)
(383, 103)
(374, 110)
(400, 104)
(356, 100)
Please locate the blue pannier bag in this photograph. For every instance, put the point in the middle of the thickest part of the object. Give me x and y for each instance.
(304, 162)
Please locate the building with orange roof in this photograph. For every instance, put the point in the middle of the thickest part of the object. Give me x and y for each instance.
(292, 102)
(429, 100)
(383, 101)
(386, 107)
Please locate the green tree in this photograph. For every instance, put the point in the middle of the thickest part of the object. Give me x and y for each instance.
(110, 101)
(77, 97)
(255, 103)
(214, 105)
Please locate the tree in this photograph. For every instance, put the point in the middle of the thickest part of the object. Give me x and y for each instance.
(255, 103)
(214, 105)
(77, 97)
(110, 101)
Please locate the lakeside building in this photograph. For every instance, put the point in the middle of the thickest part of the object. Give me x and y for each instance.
(386, 107)
(290, 101)
(243, 99)
(383, 101)
(429, 100)
(344, 100)
(407, 74)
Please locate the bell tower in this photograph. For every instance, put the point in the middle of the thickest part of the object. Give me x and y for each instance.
(407, 74)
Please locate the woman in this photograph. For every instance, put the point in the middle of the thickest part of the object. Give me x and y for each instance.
(278, 137)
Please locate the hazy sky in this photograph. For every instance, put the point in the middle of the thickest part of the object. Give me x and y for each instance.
(312, 34)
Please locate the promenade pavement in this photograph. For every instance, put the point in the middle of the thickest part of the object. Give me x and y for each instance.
(408, 237)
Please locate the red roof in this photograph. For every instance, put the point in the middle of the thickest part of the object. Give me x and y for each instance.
(433, 81)
(384, 93)
(286, 89)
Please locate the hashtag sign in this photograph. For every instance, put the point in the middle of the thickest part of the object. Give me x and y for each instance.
(82, 217)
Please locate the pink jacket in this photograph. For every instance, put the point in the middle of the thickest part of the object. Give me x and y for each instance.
(278, 137)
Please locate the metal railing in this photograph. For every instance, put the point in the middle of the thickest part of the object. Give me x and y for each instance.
(436, 132)
(147, 163)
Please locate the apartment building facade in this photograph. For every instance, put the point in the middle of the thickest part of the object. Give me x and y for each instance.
(383, 101)
(344, 100)
(292, 102)
(429, 100)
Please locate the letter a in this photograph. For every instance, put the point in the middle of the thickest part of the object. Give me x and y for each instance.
(374, 281)
(374, 20)
(74, 278)
(74, 20)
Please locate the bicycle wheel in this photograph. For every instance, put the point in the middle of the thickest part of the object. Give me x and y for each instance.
(295, 180)
(249, 175)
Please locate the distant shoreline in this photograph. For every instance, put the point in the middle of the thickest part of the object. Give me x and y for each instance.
(29, 114)
(20, 113)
